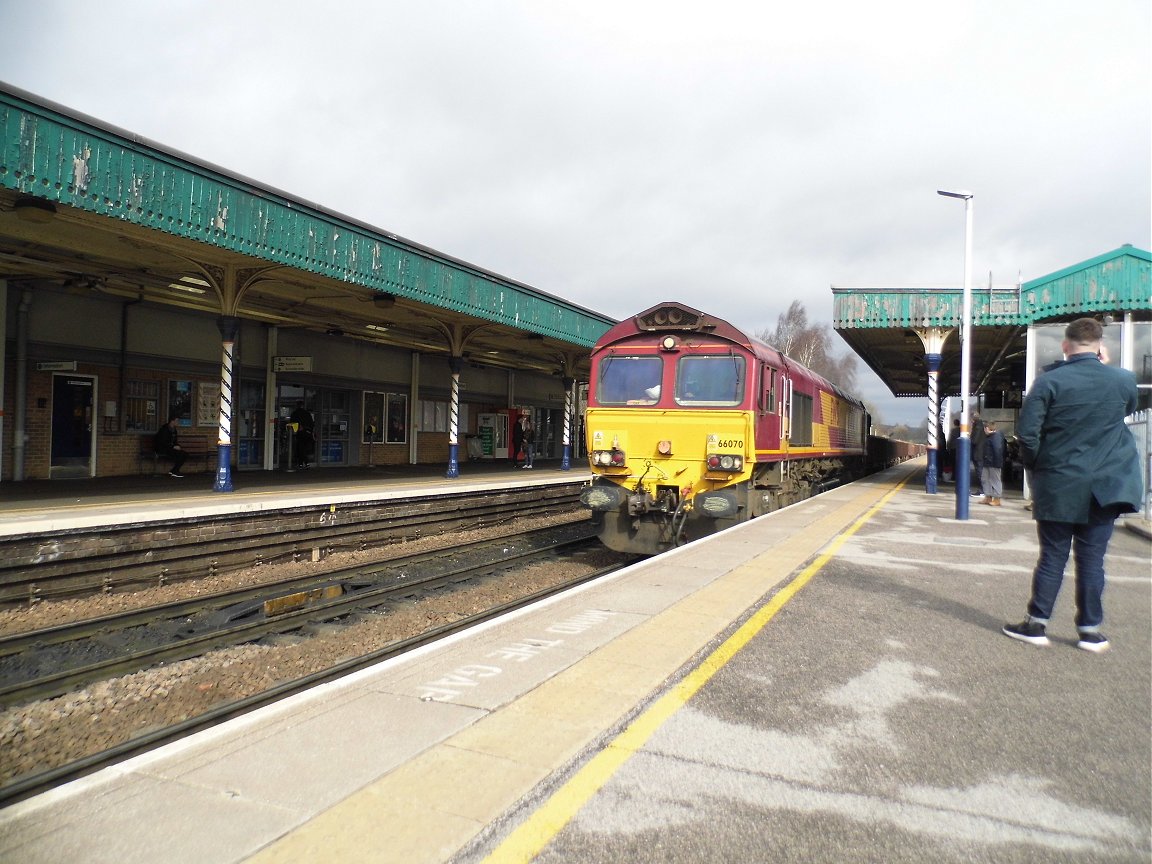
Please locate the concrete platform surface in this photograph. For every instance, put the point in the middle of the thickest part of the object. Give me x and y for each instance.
(828, 683)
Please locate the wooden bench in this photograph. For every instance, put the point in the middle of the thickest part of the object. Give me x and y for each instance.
(200, 448)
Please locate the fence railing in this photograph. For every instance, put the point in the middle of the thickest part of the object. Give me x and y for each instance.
(1140, 425)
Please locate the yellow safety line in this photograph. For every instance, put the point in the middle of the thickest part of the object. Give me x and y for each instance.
(530, 838)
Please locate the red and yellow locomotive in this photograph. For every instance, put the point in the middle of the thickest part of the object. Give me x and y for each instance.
(692, 427)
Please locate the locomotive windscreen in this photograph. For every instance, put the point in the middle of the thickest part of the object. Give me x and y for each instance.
(704, 380)
(629, 380)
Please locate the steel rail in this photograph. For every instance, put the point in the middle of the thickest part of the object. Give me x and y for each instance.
(60, 633)
(60, 682)
(148, 554)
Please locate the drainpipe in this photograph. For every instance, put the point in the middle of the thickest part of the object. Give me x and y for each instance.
(19, 433)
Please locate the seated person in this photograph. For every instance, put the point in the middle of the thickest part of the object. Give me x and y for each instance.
(167, 444)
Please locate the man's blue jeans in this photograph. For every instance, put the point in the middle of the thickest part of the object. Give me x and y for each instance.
(1089, 543)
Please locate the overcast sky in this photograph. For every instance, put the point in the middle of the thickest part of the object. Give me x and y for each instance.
(733, 156)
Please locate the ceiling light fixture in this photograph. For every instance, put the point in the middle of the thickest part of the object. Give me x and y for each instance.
(190, 285)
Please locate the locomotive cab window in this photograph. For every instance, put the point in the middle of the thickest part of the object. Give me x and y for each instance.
(710, 380)
(629, 380)
(768, 390)
(802, 419)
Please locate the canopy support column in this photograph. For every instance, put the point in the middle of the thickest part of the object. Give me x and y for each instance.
(933, 339)
(456, 364)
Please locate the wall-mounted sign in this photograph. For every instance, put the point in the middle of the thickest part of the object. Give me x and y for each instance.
(57, 366)
(291, 364)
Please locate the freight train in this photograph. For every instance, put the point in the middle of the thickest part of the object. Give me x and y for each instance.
(693, 426)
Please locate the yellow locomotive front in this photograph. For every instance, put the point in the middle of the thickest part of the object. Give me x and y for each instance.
(670, 439)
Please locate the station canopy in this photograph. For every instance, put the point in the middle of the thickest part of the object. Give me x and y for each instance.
(88, 207)
(881, 324)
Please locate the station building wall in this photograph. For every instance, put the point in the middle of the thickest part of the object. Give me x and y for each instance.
(135, 354)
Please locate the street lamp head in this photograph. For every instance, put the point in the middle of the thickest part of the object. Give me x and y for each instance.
(957, 194)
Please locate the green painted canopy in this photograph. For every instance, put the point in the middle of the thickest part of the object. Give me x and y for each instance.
(141, 209)
(881, 324)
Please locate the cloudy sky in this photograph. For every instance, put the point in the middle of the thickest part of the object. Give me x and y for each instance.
(735, 156)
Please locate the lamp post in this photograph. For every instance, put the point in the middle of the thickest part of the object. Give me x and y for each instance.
(964, 442)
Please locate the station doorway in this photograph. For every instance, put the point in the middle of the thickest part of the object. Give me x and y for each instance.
(332, 412)
(73, 427)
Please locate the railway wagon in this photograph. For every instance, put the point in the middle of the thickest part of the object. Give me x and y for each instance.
(692, 426)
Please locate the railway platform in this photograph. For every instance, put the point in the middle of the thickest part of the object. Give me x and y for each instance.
(826, 683)
(53, 505)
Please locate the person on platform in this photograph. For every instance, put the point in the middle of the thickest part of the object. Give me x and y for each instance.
(528, 439)
(1085, 471)
(166, 443)
(518, 442)
(977, 453)
(943, 460)
(305, 434)
(953, 437)
(992, 461)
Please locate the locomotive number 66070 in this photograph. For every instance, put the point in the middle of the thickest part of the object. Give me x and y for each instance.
(693, 426)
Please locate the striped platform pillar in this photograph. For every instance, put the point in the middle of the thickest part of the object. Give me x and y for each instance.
(930, 478)
(566, 462)
(228, 325)
(933, 339)
(455, 364)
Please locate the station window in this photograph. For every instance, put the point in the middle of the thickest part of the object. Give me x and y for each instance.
(396, 432)
(141, 406)
(373, 413)
(434, 416)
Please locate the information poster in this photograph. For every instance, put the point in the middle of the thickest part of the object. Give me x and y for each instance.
(208, 403)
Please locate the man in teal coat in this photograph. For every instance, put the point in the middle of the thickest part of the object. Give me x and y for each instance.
(1085, 471)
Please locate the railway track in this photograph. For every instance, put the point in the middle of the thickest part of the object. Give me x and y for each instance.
(438, 569)
(131, 556)
(43, 663)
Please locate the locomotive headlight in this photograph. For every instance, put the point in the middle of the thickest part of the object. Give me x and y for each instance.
(664, 448)
(608, 458)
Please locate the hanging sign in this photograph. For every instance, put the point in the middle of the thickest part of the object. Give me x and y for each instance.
(291, 364)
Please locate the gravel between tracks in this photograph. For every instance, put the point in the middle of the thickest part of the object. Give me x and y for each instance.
(52, 732)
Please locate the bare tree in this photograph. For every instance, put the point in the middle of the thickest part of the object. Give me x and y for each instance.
(811, 345)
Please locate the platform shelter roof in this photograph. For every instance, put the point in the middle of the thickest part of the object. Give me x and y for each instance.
(93, 207)
(881, 324)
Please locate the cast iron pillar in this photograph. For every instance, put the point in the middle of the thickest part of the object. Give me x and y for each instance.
(455, 364)
(228, 325)
(566, 462)
(930, 476)
(933, 339)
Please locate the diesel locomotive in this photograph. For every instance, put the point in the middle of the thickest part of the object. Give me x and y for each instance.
(692, 426)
